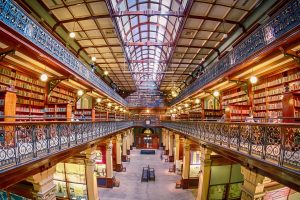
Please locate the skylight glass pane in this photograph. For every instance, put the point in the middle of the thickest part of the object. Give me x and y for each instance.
(148, 32)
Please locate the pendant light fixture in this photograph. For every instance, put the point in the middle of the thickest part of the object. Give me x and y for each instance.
(253, 79)
(225, 34)
(216, 93)
(72, 34)
(44, 76)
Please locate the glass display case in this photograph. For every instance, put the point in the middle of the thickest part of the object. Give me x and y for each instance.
(100, 166)
(194, 164)
(225, 182)
(70, 181)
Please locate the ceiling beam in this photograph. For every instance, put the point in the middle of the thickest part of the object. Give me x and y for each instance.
(148, 43)
(79, 19)
(148, 13)
(148, 61)
(214, 19)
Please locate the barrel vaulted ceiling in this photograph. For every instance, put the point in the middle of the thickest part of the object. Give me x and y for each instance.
(146, 44)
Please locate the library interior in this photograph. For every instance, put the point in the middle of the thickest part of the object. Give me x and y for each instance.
(149, 99)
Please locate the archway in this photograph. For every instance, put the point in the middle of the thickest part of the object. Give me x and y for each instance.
(147, 139)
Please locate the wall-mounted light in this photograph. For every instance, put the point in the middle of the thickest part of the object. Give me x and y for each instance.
(98, 100)
(94, 58)
(109, 104)
(79, 92)
(179, 107)
(148, 111)
(253, 79)
(116, 107)
(105, 72)
(216, 93)
(186, 105)
(197, 101)
(44, 77)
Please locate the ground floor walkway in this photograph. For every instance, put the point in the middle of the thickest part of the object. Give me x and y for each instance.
(131, 187)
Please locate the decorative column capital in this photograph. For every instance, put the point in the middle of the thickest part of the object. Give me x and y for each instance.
(187, 146)
(119, 138)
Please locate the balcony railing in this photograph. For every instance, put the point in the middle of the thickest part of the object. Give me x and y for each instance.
(16, 18)
(278, 144)
(22, 142)
(283, 21)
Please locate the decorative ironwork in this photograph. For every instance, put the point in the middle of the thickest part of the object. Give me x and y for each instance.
(275, 143)
(281, 23)
(25, 142)
(16, 18)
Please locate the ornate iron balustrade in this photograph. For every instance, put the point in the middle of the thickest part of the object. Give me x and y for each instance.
(286, 19)
(25, 142)
(278, 144)
(16, 18)
(146, 124)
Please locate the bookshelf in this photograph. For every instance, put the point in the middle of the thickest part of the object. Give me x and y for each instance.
(58, 112)
(7, 104)
(212, 114)
(195, 116)
(61, 95)
(237, 113)
(236, 96)
(89, 114)
(111, 115)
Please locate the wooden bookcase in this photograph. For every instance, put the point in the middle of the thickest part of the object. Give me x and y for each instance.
(58, 112)
(89, 114)
(237, 113)
(236, 96)
(61, 95)
(195, 116)
(8, 99)
(211, 114)
(30, 98)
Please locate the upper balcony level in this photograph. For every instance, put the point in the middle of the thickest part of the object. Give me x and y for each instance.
(281, 26)
(24, 26)
(273, 149)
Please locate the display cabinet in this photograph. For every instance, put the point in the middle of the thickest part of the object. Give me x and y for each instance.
(70, 180)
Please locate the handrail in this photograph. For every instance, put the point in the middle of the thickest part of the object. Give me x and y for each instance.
(277, 143)
(16, 18)
(25, 142)
(283, 21)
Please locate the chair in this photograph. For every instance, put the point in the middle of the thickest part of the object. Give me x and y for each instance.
(178, 184)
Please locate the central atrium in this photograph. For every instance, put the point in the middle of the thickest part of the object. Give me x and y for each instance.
(150, 99)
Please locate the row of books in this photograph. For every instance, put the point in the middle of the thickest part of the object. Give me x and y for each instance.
(279, 80)
(229, 96)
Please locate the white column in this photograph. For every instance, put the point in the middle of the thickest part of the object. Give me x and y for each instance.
(132, 136)
(43, 185)
(204, 176)
(109, 161)
(186, 159)
(163, 132)
(91, 179)
(177, 144)
(253, 186)
(128, 140)
(171, 143)
(118, 149)
(167, 140)
(124, 145)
